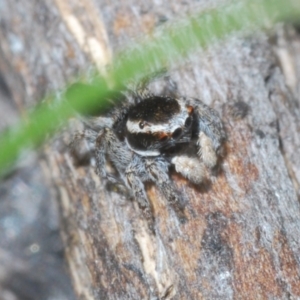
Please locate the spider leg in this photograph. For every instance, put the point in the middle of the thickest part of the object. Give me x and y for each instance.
(108, 145)
(206, 150)
(128, 165)
(81, 146)
(84, 135)
(133, 179)
(189, 167)
(211, 132)
(100, 154)
(158, 169)
(135, 175)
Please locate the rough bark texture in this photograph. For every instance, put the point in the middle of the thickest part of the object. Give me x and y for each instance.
(241, 239)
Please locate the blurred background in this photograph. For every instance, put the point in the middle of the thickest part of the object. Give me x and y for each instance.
(32, 265)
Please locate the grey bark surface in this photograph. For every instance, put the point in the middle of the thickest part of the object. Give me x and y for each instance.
(241, 239)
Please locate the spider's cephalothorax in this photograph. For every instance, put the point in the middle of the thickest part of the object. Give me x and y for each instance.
(148, 134)
(157, 124)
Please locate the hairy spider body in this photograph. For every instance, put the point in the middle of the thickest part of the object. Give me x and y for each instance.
(149, 133)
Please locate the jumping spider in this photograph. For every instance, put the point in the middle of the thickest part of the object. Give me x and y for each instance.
(147, 134)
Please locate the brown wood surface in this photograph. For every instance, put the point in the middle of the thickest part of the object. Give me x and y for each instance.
(242, 236)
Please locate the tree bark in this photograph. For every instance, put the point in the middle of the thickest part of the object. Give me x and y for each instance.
(241, 238)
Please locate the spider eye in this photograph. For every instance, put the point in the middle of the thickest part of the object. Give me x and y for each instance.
(188, 122)
(142, 124)
(177, 133)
